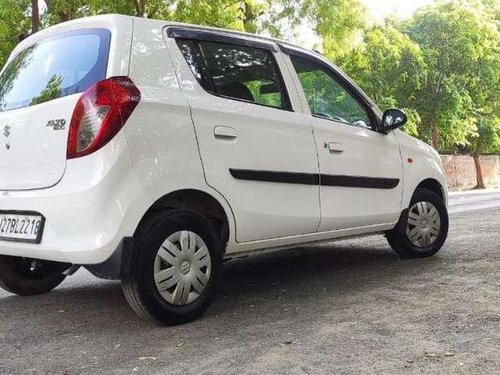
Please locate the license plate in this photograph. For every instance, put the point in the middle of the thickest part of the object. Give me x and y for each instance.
(21, 226)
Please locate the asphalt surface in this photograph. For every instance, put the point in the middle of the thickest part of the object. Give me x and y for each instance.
(347, 307)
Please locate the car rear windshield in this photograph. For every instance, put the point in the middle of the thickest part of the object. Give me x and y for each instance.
(55, 67)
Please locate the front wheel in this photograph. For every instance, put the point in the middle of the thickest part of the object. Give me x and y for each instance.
(424, 228)
(176, 266)
(25, 276)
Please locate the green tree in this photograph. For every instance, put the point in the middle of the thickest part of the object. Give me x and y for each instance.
(221, 13)
(441, 65)
(233, 14)
(484, 88)
(452, 36)
(62, 10)
(339, 23)
(390, 68)
(20, 18)
(487, 140)
(15, 25)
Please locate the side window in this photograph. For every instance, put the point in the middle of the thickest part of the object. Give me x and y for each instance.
(237, 72)
(327, 98)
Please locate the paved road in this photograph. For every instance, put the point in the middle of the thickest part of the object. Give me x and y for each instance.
(347, 307)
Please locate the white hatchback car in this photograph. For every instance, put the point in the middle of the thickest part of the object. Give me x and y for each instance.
(150, 151)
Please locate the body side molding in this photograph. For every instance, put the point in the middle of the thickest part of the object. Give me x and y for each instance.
(314, 179)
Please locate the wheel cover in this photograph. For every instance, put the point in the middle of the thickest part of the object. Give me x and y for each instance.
(182, 268)
(424, 224)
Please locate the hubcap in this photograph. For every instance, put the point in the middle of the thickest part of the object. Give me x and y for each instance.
(424, 224)
(182, 268)
(185, 267)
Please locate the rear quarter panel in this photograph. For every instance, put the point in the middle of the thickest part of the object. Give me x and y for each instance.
(160, 133)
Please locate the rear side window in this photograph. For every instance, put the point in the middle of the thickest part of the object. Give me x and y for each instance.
(238, 72)
(55, 67)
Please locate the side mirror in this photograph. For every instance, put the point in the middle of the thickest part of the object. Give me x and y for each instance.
(393, 119)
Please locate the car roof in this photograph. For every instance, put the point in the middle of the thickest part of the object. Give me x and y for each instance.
(121, 19)
(243, 35)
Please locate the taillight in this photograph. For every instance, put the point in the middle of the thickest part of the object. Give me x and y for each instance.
(100, 113)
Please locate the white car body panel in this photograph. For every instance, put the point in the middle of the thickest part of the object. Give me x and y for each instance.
(29, 137)
(365, 153)
(361, 152)
(36, 157)
(88, 212)
(266, 139)
(426, 164)
(160, 133)
(167, 145)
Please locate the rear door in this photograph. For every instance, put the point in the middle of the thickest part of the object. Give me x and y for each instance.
(39, 88)
(360, 168)
(255, 149)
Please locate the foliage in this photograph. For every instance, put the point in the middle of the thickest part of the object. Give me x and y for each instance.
(390, 68)
(459, 40)
(338, 22)
(220, 13)
(15, 25)
(441, 65)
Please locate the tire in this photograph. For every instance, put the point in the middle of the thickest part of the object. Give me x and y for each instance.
(179, 297)
(422, 239)
(25, 277)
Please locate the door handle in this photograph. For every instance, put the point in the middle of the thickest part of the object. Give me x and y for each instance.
(334, 147)
(225, 132)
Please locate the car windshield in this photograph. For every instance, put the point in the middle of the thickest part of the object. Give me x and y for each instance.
(55, 67)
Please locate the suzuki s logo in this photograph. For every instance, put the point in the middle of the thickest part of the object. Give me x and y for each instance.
(6, 133)
(6, 130)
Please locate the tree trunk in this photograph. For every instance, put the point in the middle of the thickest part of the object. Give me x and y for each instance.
(435, 134)
(140, 8)
(62, 14)
(65, 16)
(35, 16)
(477, 162)
(249, 17)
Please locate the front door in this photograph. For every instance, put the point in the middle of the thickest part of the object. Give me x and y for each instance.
(360, 168)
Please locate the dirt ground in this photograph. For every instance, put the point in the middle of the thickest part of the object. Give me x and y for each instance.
(346, 307)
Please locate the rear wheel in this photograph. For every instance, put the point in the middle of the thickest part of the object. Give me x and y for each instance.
(25, 276)
(176, 266)
(424, 228)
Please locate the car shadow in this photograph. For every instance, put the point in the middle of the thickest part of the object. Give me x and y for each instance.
(298, 276)
(284, 281)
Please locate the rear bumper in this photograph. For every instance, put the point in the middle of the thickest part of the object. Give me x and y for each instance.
(97, 203)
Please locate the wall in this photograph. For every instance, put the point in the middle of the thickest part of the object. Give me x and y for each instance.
(461, 172)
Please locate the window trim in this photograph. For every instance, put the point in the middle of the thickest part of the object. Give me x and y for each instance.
(217, 36)
(286, 98)
(344, 81)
